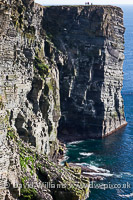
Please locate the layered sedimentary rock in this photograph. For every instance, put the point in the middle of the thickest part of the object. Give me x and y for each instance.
(29, 80)
(60, 68)
(30, 110)
(91, 78)
(28, 84)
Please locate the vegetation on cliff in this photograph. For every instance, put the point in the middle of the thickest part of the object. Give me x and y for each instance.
(38, 172)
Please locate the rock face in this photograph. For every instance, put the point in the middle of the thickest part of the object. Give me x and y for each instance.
(91, 39)
(60, 68)
(29, 80)
(29, 85)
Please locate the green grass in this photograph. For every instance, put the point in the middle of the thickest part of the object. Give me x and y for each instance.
(42, 68)
(11, 133)
(28, 193)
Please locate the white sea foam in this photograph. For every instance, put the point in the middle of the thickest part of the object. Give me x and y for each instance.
(82, 164)
(123, 174)
(75, 142)
(126, 195)
(117, 175)
(61, 164)
(66, 151)
(85, 154)
(92, 167)
(127, 174)
(98, 169)
(98, 174)
(93, 163)
(66, 158)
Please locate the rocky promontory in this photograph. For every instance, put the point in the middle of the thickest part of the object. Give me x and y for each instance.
(92, 42)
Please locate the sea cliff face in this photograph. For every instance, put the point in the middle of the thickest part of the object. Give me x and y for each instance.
(60, 68)
(29, 79)
(91, 38)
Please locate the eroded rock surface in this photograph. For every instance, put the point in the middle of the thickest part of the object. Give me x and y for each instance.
(29, 85)
(91, 79)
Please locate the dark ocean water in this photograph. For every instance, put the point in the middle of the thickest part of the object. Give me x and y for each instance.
(113, 153)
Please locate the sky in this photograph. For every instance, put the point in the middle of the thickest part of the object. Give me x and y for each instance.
(82, 2)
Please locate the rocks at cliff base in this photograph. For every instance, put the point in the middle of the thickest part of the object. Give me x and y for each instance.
(41, 178)
(92, 172)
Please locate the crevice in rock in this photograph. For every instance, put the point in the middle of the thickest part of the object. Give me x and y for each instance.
(32, 96)
(44, 105)
(19, 124)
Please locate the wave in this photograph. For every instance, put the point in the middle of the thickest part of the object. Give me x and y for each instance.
(75, 142)
(127, 174)
(92, 167)
(98, 169)
(82, 164)
(98, 174)
(86, 154)
(126, 195)
(105, 172)
(66, 158)
(123, 174)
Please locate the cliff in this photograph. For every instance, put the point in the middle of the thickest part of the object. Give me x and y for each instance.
(91, 39)
(60, 68)
(30, 110)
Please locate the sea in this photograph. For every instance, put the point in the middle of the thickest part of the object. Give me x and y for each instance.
(112, 155)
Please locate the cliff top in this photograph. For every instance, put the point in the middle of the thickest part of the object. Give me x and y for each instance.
(31, 2)
(103, 6)
(84, 6)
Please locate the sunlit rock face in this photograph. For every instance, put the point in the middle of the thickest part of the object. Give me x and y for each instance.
(29, 88)
(29, 95)
(91, 76)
